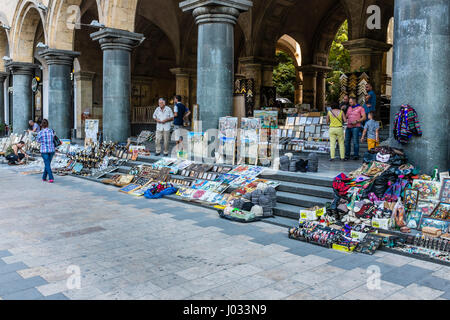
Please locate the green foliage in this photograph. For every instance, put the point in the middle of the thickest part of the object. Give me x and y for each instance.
(284, 76)
(339, 60)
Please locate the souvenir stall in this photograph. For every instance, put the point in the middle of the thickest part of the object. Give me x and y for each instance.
(389, 199)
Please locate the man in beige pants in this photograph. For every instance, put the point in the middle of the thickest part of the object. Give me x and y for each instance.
(163, 116)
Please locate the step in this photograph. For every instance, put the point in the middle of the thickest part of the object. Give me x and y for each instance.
(300, 200)
(296, 177)
(287, 211)
(306, 189)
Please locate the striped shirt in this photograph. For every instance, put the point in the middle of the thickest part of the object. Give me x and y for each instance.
(45, 138)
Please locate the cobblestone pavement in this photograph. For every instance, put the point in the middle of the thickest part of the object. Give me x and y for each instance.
(134, 248)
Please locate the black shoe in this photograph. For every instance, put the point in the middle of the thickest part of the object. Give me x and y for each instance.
(355, 158)
(346, 158)
(166, 154)
(331, 159)
(157, 154)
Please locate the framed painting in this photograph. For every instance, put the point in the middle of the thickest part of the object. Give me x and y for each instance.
(428, 190)
(445, 191)
(411, 198)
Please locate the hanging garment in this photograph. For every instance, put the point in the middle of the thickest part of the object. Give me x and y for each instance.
(406, 124)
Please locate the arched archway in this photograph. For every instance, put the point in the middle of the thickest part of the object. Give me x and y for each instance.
(27, 18)
(88, 69)
(4, 47)
(289, 46)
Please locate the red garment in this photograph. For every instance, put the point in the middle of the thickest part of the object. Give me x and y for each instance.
(354, 114)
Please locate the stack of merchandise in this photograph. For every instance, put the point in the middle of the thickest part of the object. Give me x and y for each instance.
(251, 203)
(354, 85)
(307, 132)
(362, 92)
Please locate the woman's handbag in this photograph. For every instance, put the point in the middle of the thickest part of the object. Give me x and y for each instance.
(56, 141)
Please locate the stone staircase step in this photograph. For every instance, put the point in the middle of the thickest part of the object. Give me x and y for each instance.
(287, 211)
(300, 200)
(306, 189)
(304, 178)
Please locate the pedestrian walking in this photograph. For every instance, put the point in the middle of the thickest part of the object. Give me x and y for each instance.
(46, 138)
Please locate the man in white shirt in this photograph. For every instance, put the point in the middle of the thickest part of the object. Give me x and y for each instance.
(163, 116)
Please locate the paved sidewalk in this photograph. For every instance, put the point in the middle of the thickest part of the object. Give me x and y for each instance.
(134, 248)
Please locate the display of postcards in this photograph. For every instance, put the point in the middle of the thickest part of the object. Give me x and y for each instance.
(199, 184)
(445, 191)
(251, 124)
(192, 174)
(290, 121)
(140, 191)
(239, 169)
(198, 194)
(77, 167)
(215, 168)
(435, 223)
(297, 121)
(428, 190)
(225, 198)
(129, 188)
(183, 172)
(205, 196)
(318, 130)
(442, 211)
(242, 181)
(228, 126)
(316, 120)
(413, 219)
(309, 121)
(226, 178)
(141, 181)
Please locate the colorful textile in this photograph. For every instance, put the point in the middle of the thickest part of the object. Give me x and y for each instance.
(45, 138)
(406, 124)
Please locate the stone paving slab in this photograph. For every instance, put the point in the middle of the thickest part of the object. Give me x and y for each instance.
(135, 248)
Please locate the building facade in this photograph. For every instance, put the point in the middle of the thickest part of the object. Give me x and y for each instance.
(112, 59)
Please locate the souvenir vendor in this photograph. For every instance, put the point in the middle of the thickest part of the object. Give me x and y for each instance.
(13, 153)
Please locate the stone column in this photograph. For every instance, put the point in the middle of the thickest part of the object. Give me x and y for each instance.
(367, 54)
(183, 84)
(309, 85)
(321, 90)
(60, 65)
(22, 73)
(3, 76)
(251, 68)
(84, 98)
(117, 46)
(215, 55)
(421, 76)
(267, 75)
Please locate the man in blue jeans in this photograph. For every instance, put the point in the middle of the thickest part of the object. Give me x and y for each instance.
(355, 116)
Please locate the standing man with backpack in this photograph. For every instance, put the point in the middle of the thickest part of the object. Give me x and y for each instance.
(181, 114)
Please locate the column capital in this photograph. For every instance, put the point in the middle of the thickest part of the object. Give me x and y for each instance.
(59, 57)
(116, 39)
(183, 71)
(84, 75)
(216, 11)
(3, 76)
(366, 46)
(258, 60)
(314, 69)
(21, 68)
